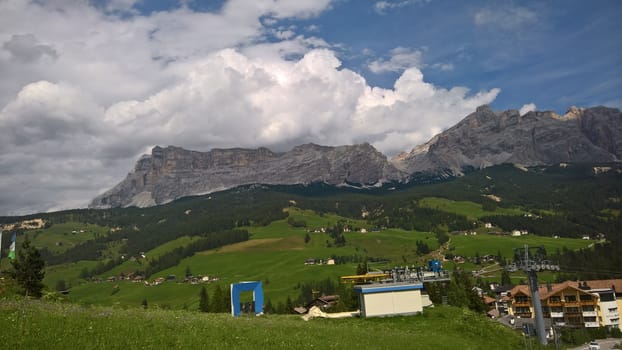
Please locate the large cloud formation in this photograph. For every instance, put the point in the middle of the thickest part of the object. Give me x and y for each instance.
(86, 91)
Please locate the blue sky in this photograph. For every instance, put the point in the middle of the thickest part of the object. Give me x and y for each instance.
(554, 54)
(89, 86)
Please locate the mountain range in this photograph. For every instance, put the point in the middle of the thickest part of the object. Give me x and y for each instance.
(483, 138)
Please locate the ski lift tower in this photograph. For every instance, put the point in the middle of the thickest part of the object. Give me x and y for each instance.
(531, 262)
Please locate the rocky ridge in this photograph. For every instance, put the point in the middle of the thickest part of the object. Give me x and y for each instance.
(483, 138)
(172, 172)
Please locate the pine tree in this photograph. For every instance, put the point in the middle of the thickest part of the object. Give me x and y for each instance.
(505, 278)
(28, 269)
(221, 300)
(289, 306)
(361, 269)
(204, 300)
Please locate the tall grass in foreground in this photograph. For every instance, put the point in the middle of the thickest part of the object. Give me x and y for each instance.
(33, 324)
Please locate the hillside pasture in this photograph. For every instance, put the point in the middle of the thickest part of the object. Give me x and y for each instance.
(70, 273)
(491, 244)
(276, 255)
(60, 237)
(41, 325)
(469, 209)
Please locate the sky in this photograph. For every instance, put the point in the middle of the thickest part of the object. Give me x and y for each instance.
(87, 87)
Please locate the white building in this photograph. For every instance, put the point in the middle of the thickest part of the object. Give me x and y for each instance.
(388, 299)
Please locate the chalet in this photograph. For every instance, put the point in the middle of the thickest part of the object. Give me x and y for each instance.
(138, 278)
(324, 302)
(588, 304)
(459, 259)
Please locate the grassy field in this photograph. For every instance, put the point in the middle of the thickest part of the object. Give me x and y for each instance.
(491, 244)
(469, 209)
(60, 237)
(41, 325)
(275, 255)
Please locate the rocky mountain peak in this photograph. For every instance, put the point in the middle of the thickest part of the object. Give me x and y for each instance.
(172, 172)
(483, 138)
(486, 138)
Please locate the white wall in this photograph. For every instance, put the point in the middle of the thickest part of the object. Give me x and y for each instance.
(391, 303)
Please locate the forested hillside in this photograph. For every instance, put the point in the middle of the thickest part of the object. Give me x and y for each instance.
(569, 201)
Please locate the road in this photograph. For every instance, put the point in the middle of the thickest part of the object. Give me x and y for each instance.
(605, 344)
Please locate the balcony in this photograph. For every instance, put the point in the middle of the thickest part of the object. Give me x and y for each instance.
(589, 313)
(587, 302)
(591, 324)
(521, 304)
(572, 304)
(554, 303)
(556, 314)
(523, 314)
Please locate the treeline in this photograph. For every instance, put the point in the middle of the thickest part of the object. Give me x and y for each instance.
(218, 302)
(210, 241)
(546, 225)
(457, 292)
(413, 217)
(143, 229)
(347, 299)
(572, 225)
(603, 261)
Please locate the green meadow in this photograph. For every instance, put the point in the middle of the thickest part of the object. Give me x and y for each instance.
(276, 255)
(491, 244)
(31, 324)
(469, 209)
(62, 236)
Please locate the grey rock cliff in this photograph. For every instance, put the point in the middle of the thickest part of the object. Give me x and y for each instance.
(486, 138)
(483, 138)
(172, 172)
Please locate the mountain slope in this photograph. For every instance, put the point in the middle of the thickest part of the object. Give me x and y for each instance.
(483, 138)
(172, 172)
(486, 138)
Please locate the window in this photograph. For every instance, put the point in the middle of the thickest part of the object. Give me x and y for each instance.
(607, 297)
(588, 308)
(522, 310)
(589, 319)
(585, 297)
(521, 299)
(572, 310)
(612, 309)
(555, 299)
(556, 309)
(571, 298)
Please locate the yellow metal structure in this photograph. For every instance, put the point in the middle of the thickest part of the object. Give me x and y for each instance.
(368, 277)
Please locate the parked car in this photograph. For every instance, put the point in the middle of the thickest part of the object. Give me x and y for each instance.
(594, 346)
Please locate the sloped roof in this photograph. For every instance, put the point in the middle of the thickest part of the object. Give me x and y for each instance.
(576, 285)
(558, 287)
(488, 300)
(601, 284)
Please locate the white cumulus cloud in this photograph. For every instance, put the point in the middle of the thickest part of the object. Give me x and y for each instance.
(85, 93)
(400, 58)
(529, 107)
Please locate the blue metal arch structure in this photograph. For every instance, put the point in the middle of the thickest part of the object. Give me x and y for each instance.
(237, 288)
